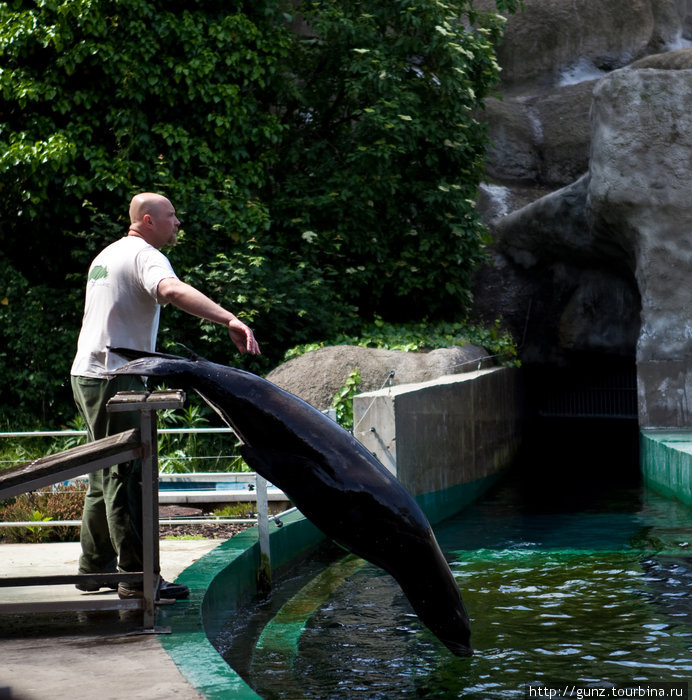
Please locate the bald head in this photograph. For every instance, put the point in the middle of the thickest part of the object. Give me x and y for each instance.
(146, 203)
(152, 217)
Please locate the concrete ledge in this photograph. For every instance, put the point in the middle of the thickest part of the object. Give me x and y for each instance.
(448, 439)
(438, 505)
(666, 462)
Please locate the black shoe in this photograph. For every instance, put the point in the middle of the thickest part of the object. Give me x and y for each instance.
(175, 591)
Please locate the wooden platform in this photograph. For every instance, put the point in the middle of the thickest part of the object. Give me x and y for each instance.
(71, 463)
(132, 444)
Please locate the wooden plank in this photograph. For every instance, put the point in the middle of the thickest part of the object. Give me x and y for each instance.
(84, 603)
(65, 579)
(82, 457)
(130, 398)
(148, 401)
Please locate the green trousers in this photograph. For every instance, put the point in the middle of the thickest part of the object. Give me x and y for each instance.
(111, 534)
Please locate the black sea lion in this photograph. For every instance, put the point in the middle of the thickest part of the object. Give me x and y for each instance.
(331, 478)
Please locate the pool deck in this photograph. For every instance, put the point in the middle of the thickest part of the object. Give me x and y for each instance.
(80, 656)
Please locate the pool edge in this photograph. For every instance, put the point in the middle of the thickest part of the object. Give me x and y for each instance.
(666, 462)
(220, 582)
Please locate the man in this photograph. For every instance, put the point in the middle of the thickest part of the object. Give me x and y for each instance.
(128, 282)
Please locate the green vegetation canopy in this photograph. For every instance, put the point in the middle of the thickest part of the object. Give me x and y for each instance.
(323, 157)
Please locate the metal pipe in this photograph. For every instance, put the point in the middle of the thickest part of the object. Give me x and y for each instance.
(78, 433)
(162, 521)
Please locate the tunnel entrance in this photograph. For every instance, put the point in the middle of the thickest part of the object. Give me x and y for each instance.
(583, 416)
(588, 388)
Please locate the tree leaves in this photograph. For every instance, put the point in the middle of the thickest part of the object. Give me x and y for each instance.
(324, 162)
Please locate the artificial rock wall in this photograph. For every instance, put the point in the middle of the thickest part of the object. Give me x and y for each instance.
(640, 195)
(589, 196)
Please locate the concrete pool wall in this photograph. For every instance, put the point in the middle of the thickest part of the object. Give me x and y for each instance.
(666, 461)
(447, 441)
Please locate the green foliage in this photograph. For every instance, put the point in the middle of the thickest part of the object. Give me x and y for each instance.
(423, 336)
(37, 534)
(343, 400)
(323, 157)
(386, 151)
(186, 452)
(102, 99)
(65, 443)
(176, 449)
(35, 331)
(236, 510)
(15, 452)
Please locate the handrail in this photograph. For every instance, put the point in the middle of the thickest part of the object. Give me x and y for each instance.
(202, 520)
(262, 520)
(83, 433)
(165, 431)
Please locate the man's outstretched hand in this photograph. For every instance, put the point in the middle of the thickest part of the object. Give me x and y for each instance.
(243, 337)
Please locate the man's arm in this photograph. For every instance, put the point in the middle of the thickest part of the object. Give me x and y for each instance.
(185, 297)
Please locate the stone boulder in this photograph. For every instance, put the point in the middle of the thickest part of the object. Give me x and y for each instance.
(318, 375)
(680, 59)
(542, 137)
(639, 193)
(552, 39)
(513, 150)
(539, 128)
(559, 227)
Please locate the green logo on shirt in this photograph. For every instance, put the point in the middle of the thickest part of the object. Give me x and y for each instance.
(98, 273)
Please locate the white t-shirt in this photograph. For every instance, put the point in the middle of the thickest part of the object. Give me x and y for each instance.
(121, 307)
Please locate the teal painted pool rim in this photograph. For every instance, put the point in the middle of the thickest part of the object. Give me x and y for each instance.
(666, 462)
(225, 579)
(221, 582)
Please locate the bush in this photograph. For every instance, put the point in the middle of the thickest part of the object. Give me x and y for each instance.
(64, 502)
(376, 186)
(37, 340)
(423, 336)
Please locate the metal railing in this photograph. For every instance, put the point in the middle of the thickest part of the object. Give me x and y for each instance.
(67, 433)
(262, 519)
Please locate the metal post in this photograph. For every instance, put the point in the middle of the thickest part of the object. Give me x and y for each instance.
(150, 517)
(147, 404)
(264, 572)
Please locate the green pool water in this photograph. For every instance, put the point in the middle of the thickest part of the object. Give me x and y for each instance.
(581, 581)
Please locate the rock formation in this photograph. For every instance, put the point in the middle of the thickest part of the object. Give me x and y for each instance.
(588, 194)
(318, 375)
